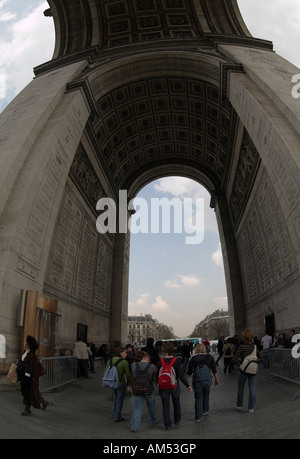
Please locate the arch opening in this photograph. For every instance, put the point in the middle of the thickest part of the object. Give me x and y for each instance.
(176, 282)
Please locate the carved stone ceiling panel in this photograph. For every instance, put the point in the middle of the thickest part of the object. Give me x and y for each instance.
(159, 120)
(139, 20)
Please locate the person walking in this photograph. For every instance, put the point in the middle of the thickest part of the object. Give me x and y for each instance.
(186, 355)
(266, 343)
(171, 366)
(29, 373)
(289, 343)
(82, 353)
(92, 355)
(245, 349)
(141, 365)
(152, 351)
(220, 345)
(202, 366)
(125, 381)
(228, 354)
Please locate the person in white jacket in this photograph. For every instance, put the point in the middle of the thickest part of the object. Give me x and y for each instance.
(82, 353)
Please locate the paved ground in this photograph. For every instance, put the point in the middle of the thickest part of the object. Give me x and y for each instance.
(84, 411)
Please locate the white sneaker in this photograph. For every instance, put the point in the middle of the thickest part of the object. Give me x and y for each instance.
(239, 408)
(251, 411)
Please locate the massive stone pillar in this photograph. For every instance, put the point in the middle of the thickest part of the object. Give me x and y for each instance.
(40, 131)
(268, 232)
(234, 283)
(119, 307)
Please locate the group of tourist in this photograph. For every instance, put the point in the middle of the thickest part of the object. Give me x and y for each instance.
(201, 367)
(139, 371)
(159, 363)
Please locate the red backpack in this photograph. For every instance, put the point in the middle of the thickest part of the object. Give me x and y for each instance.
(167, 376)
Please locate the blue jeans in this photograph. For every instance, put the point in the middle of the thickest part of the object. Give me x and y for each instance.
(119, 395)
(201, 394)
(185, 361)
(82, 368)
(227, 364)
(138, 408)
(165, 397)
(266, 359)
(252, 389)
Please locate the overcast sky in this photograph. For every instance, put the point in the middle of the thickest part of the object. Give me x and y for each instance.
(178, 284)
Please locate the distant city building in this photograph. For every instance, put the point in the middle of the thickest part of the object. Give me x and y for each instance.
(214, 325)
(217, 315)
(140, 328)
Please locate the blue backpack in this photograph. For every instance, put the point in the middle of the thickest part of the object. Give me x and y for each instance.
(202, 372)
(111, 377)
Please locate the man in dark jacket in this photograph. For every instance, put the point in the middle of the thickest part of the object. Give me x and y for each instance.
(152, 351)
(221, 343)
(186, 354)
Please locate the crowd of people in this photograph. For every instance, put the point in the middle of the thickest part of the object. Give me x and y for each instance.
(141, 370)
(227, 348)
(198, 363)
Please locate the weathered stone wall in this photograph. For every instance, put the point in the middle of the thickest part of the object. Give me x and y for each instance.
(40, 133)
(267, 228)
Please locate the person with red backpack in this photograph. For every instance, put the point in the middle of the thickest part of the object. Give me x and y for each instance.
(169, 373)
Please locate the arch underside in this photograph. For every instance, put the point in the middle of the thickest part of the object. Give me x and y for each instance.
(156, 84)
(108, 24)
(157, 90)
(161, 115)
(159, 123)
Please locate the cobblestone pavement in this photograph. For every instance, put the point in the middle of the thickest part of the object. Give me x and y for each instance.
(84, 411)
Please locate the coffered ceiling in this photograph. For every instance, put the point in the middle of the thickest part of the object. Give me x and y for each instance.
(164, 120)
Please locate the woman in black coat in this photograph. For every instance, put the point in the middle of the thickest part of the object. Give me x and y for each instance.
(29, 373)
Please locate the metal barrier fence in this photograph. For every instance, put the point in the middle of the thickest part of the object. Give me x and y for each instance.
(284, 365)
(59, 371)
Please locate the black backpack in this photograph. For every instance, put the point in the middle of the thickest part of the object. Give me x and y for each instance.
(142, 384)
(228, 350)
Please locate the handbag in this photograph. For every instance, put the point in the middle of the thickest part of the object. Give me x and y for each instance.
(250, 363)
(12, 374)
(42, 369)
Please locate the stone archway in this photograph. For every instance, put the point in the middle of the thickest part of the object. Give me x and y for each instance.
(137, 88)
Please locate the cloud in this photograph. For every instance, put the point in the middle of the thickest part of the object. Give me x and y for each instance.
(160, 305)
(145, 305)
(172, 284)
(189, 280)
(162, 311)
(6, 17)
(177, 186)
(217, 257)
(181, 280)
(281, 26)
(143, 300)
(159, 308)
(183, 187)
(27, 43)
